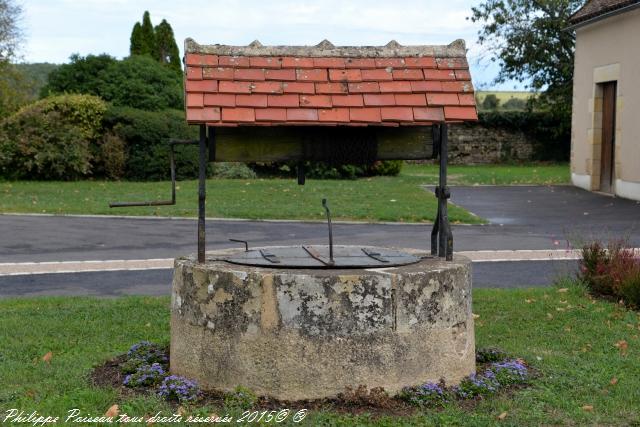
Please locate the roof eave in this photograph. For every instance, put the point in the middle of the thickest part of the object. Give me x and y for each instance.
(602, 16)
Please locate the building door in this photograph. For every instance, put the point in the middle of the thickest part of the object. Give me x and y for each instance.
(607, 158)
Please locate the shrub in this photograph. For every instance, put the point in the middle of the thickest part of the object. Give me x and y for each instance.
(233, 171)
(145, 376)
(486, 355)
(136, 81)
(322, 170)
(149, 352)
(508, 372)
(113, 156)
(178, 389)
(497, 376)
(240, 397)
(630, 288)
(612, 270)
(476, 385)
(55, 138)
(426, 395)
(146, 135)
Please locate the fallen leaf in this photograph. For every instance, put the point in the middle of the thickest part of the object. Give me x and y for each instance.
(622, 346)
(47, 357)
(113, 411)
(529, 301)
(613, 381)
(476, 316)
(588, 408)
(181, 410)
(563, 290)
(549, 316)
(148, 325)
(502, 416)
(559, 309)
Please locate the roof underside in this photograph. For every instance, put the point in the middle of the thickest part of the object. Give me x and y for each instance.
(596, 8)
(388, 85)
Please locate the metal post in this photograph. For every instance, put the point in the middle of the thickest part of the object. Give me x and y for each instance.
(445, 244)
(202, 193)
(435, 131)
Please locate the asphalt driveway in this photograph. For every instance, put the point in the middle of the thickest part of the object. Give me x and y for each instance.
(521, 217)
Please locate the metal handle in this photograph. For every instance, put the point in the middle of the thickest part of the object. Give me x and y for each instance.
(246, 244)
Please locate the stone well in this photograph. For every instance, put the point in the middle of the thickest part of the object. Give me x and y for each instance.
(309, 333)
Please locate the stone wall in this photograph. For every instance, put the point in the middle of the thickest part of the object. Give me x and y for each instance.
(475, 143)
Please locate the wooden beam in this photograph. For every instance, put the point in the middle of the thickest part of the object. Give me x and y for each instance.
(271, 144)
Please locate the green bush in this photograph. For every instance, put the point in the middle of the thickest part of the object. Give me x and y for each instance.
(233, 171)
(322, 170)
(113, 156)
(612, 270)
(136, 81)
(55, 138)
(147, 135)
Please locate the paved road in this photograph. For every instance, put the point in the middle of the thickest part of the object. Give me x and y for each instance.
(521, 218)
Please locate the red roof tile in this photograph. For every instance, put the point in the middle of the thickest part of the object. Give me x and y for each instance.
(357, 86)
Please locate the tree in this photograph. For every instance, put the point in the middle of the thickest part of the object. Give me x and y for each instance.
(530, 42)
(14, 88)
(137, 46)
(490, 102)
(10, 33)
(515, 104)
(166, 45)
(143, 38)
(138, 81)
(157, 42)
(80, 75)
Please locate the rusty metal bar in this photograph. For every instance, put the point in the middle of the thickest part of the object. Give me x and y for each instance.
(246, 244)
(326, 208)
(374, 255)
(316, 255)
(202, 193)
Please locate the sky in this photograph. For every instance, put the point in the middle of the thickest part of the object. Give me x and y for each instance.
(54, 29)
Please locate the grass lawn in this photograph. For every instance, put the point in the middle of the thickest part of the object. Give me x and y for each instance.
(400, 198)
(570, 339)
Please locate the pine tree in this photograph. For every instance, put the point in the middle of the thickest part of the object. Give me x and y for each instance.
(137, 42)
(148, 36)
(167, 49)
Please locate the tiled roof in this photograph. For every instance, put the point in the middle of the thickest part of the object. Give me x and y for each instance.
(594, 8)
(389, 85)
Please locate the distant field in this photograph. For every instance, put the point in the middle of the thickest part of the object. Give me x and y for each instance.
(504, 97)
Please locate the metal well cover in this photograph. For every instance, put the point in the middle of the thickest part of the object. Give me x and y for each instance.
(318, 256)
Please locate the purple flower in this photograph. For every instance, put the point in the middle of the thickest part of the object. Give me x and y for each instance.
(178, 388)
(145, 375)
